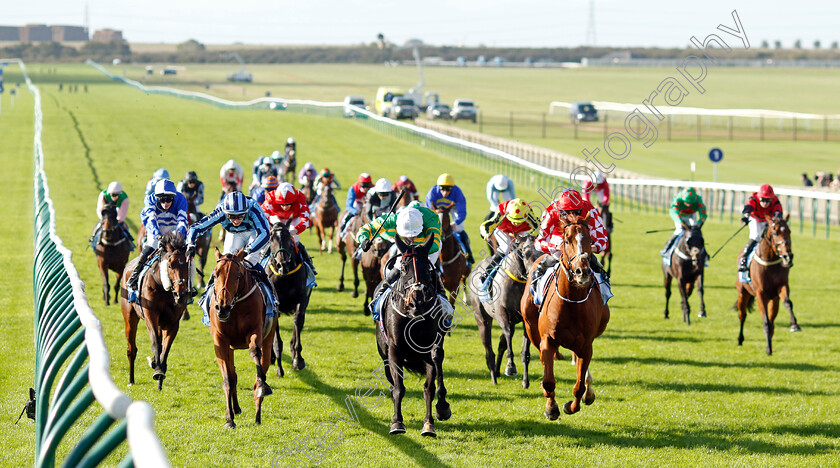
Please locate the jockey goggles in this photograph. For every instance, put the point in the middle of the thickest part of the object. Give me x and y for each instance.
(570, 212)
(765, 200)
(445, 188)
(166, 199)
(236, 217)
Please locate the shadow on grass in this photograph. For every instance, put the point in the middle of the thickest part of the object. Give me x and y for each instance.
(796, 366)
(371, 423)
(683, 388)
(660, 286)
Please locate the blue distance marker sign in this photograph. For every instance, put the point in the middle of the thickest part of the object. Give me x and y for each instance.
(715, 155)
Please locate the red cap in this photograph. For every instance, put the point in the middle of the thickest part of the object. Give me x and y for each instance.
(766, 191)
(365, 177)
(570, 200)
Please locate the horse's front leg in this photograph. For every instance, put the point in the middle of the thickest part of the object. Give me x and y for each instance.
(547, 352)
(526, 359)
(224, 357)
(278, 351)
(667, 283)
(769, 322)
(699, 285)
(785, 294)
(442, 409)
(298, 363)
(508, 331)
(131, 320)
(686, 309)
(255, 341)
(343, 264)
(579, 390)
(117, 283)
(355, 264)
(429, 396)
(741, 305)
(397, 390)
(264, 364)
(167, 338)
(153, 327)
(106, 287)
(485, 327)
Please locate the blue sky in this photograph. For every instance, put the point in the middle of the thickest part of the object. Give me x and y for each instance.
(535, 23)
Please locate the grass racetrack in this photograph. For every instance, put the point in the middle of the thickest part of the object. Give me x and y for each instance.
(668, 394)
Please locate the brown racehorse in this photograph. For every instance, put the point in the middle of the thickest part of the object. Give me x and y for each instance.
(238, 321)
(326, 216)
(347, 246)
(372, 268)
(112, 252)
(572, 315)
(687, 264)
(162, 299)
(308, 190)
(453, 260)
(290, 167)
(769, 275)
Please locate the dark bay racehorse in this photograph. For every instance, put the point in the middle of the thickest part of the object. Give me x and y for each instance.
(238, 321)
(410, 335)
(162, 299)
(372, 268)
(202, 244)
(112, 252)
(326, 216)
(769, 272)
(290, 167)
(452, 259)
(606, 255)
(288, 274)
(687, 263)
(308, 190)
(347, 246)
(572, 315)
(506, 296)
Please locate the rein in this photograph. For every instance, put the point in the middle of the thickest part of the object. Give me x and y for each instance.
(769, 262)
(567, 272)
(236, 297)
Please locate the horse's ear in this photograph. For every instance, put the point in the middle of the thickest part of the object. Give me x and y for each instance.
(218, 253)
(588, 214)
(768, 219)
(241, 254)
(427, 246)
(401, 245)
(787, 217)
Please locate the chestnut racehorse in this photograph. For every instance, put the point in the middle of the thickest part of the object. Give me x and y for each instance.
(112, 252)
(452, 259)
(162, 300)
(769, 271)
(238, 321)
(326, 216)
(572, 315)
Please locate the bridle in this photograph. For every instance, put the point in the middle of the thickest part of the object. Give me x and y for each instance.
(780, 257)
(686, 255)
(566, 265)
(285, 255)
(445, 235)
(405, 295)
(114, 229)
(237, 296)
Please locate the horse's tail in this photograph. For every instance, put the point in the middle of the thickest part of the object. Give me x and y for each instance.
(750, 304)
(689, 287)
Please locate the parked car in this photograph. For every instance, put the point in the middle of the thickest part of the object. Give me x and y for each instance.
(438, 111)
(403, 108)
(357, 101)
(583, 112)
(464, 109)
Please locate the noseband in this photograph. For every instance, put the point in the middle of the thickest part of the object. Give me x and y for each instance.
(236, 297)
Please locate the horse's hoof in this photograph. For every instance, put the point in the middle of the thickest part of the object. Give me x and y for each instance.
(158, 375)
(666, 315)
(795, 328)
(443, 412)
(493, 378)
(262, 391)
(340, 288)
(237, 409)
(397, 428)
(510, 371)
(567, 408)
(526, 384)
(589, 398)
(230, 425)
(186, 316)
(298, 364)
(702, 314)
(552, 413)
(355, 294)
(280, 372)
(428, 430)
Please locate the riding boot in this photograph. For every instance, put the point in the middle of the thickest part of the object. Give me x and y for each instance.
(262, 277)
(131, 284)
(127, 232)
(344, 221)
(742, 264)
(306, 258)
(495, 259)
(596, 267)
(383, 285)
(668, 244)
(466, 239)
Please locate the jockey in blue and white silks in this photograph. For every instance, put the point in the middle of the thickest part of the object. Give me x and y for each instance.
(448, 195)
(499, 189)
(165, 210)
(160, 174)
(247, 228)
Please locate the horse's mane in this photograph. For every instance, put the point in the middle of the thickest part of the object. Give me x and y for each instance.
(174, 240)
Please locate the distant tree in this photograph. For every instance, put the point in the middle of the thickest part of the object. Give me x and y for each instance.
(189, 47)
(797, 44)
(817, 44)
(765, 44)
(777, 44)
(835, 45)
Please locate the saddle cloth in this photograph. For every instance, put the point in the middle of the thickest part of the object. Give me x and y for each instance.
(543, 281)
(744, 276)
(666, 254)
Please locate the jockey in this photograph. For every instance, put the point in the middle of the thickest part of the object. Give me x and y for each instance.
(247, 228)
(288, 206)
(269, 183)
(113, 196)
(510, 219)
(601, 190)
(307, 174)
(687, 208)
(277, 159)
(158, 175)
(551, 233)
(760, 205)
(379, 199)
(165, 210)
(290, 145)
(405, 183)
(448, 195)
(356, 198)
(193, 191)
(263, 167)
(231, 172)
(325, 178)
(498, 187)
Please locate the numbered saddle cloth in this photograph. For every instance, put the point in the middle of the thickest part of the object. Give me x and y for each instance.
(744, 276)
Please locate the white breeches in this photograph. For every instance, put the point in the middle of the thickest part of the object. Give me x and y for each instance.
(151, 239)
(393, 251)
(756, 228)
(236, 241)
(503, 239)
(458, 227)
(688, 220)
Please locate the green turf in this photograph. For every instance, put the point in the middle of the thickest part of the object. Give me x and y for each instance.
(668, 394)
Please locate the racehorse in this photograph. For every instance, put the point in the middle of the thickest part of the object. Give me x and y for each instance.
(453, 260)
(289, 167)
(347, 246)
(410, 334)
(769, 272)
(112, 252)
(505, 292)
(238, 321)
(162, 299)
(687, 263)
(372, 268)
(606, 255)
(308, 190)
(326, 216)
(288, 274)
(572, 315)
